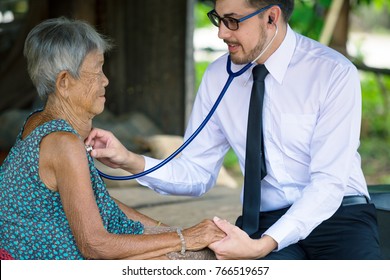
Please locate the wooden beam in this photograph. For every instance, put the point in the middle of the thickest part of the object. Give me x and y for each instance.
(363, 67)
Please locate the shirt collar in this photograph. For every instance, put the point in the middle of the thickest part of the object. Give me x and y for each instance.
(278, 62)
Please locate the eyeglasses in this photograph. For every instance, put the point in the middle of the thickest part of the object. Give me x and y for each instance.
(232, 23)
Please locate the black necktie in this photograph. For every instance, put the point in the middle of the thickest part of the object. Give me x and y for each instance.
(255, 169)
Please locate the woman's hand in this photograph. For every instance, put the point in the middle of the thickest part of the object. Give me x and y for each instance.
(110, 151)
(202, 234)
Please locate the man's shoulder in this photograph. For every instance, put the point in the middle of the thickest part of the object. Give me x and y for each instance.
(216, 70)
(219, 63)
(311, 49)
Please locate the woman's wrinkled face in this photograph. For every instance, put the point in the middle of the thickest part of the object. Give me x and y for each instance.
(88, 92)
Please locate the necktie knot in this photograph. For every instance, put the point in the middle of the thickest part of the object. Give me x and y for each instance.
(259, 72)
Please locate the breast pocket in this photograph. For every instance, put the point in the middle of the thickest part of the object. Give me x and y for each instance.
(297, 131)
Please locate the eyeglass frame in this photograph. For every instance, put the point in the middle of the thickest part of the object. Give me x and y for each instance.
(237, 21)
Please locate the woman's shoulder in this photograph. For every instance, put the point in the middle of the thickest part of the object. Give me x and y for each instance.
(63, 141)
(62, 155)
(59, 139)
(56, 125)
(37, 127)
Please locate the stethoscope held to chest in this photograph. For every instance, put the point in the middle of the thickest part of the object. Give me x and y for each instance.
(231, 77)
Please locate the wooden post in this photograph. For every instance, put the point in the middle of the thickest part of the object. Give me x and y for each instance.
(148, 70)
(330, 21)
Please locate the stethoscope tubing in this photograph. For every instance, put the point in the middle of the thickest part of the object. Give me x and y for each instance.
(231, 76)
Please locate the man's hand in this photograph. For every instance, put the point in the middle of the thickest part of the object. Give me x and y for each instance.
(110, 151)
(238, 245)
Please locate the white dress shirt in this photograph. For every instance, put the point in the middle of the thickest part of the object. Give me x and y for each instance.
(311, 122)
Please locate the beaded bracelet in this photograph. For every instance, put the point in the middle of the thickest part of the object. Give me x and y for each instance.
(183, 242)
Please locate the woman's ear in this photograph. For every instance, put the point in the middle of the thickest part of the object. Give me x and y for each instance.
(62, 83)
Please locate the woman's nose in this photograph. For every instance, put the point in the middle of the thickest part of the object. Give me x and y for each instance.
(105, 80)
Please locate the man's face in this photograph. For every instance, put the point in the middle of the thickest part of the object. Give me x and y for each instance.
(246, 43)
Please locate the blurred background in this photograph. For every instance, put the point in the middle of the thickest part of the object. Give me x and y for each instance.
(358, 29)
(162, 50)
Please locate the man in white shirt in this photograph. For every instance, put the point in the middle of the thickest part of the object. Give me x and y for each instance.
(314, 198)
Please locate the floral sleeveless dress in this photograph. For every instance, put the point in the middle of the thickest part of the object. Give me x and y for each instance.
(33, 224)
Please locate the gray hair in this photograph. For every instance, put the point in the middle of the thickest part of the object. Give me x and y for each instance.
(56, 45)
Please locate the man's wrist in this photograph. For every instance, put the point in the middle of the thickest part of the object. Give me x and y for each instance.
(134, 163)
(265, 245)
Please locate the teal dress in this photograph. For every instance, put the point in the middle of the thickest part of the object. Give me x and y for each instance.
(33, 224)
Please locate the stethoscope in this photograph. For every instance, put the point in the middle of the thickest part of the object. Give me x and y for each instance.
(231, 77)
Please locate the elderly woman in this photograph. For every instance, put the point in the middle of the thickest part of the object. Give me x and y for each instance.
(53, 203)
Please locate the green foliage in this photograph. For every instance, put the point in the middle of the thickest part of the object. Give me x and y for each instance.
(376, 115)
(201, 19)
(375, 155)
(199, 71)
(308, 17)
(230, 160)
(378, 4)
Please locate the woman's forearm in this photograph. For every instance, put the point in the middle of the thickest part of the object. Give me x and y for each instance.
(137, 216)
(115, 246)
